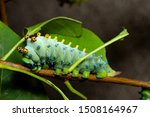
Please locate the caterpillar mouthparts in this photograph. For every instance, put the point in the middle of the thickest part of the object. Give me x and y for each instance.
(43, 50)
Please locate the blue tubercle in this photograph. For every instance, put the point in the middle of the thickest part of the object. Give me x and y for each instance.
(48, 46)
(38, 47)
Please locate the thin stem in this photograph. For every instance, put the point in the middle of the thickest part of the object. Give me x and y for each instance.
(69, 86)
(4, 66)
(11, 51)
(92, 77)
(124, 33)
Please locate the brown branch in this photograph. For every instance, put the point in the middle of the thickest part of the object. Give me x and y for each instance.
(116, 80)
(3, 11)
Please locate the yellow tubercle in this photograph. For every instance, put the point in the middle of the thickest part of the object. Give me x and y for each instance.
(33, 39)
(70, 43)
(63, 41)
(20, 49)
(77, 46)
(84, 49)
(56, 38)
(25, 51)
(47, 36)
(38, 34)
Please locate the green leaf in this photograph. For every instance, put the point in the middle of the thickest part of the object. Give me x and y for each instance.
(14, 85)
(58, 25)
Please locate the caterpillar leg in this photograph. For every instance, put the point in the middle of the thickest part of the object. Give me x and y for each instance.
(36, 69)
(31, 63)
(75, 73)
(69, 86)
(65, 70)
(101, 74)
(57, 72)
(58, 69)
(86, 74)
(28, 61)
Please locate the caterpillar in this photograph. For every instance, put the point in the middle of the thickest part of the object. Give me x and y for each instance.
(45, 50)
(145, 94)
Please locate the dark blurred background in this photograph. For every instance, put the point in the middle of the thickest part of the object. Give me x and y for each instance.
(106, 18)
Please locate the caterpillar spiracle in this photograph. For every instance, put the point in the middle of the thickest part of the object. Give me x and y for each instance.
(43, 50)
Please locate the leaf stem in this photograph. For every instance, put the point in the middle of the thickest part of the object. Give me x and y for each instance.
(69, 86)
(124, 33)
(11, 51)
(5, 66)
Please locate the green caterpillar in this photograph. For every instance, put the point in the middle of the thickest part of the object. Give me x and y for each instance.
(43, 50)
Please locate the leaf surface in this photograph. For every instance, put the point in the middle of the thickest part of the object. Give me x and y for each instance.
(14, 85)
(58, 25)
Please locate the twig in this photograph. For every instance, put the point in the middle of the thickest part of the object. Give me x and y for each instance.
(116, 80)
(3, 11)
